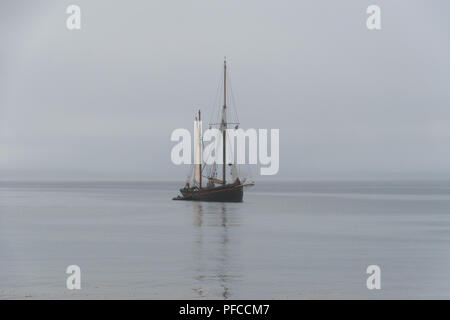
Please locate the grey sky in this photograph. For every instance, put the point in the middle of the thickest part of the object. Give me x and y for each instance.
(101, 103)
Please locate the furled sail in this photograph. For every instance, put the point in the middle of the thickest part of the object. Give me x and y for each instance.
(215, 180)
(234, 172)
(198, 150)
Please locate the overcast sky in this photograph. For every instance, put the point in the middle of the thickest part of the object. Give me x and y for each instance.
(101, 103)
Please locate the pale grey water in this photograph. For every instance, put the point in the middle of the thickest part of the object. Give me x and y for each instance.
(295, 240)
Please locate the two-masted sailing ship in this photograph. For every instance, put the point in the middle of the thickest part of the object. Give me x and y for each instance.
(228, 187)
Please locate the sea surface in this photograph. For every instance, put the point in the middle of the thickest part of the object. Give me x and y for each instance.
(287, 240)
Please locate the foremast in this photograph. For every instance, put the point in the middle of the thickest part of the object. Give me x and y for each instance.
(223, 125)
(198, 150)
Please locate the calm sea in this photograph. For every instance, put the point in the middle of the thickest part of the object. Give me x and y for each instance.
(291, 240)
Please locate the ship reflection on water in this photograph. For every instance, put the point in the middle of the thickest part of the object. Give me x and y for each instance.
(215, 266)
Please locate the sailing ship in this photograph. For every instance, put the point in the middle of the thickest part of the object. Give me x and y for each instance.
(216, 189)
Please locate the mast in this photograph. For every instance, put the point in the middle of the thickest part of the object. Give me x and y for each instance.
(198, 150)
(224, 124)
(201, 143)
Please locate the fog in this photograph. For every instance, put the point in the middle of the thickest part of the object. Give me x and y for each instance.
(102, 102)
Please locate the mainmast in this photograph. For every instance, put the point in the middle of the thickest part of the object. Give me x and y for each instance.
(224, 120)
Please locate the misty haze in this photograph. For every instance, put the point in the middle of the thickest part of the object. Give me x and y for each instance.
(92, 205)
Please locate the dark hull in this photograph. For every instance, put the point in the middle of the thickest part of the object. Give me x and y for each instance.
(226, 193)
